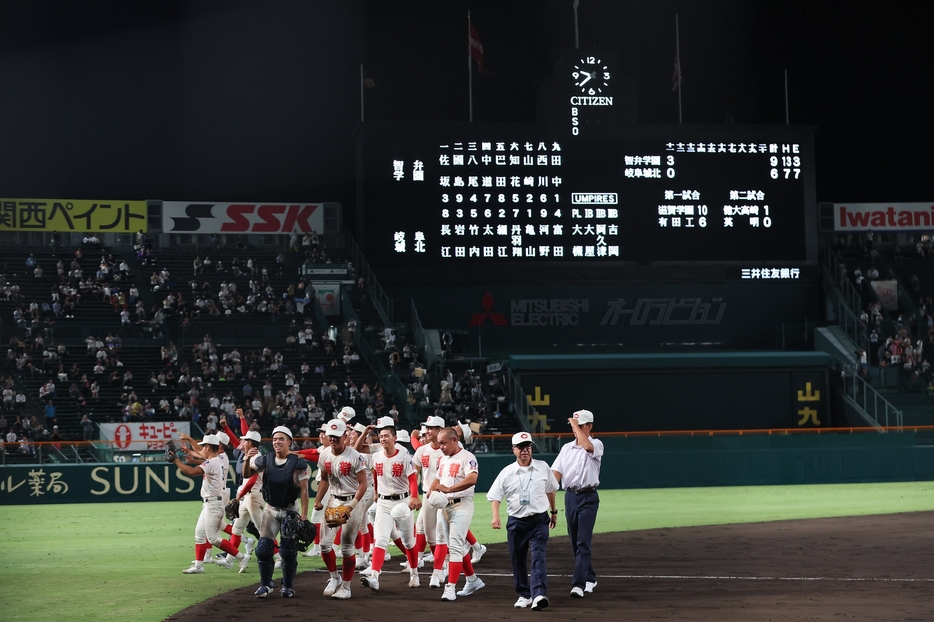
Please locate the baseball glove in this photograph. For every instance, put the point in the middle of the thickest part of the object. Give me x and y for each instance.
(232, 509)
(335, 517)
(171, 451)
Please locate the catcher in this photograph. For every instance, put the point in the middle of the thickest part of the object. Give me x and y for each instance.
(343, 473)
(285, 479)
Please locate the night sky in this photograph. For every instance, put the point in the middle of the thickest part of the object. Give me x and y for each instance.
(241, 100)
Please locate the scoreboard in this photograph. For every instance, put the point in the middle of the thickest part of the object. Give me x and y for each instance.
(488, 199)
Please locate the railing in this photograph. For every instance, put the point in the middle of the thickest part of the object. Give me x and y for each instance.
(852, 326)
(882, 411)
(545, 443)
(524, 412)
(421, 336)
(380, 299)
(834, 270)
(390, 382)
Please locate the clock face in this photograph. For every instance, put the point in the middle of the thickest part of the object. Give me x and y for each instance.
(591, 75)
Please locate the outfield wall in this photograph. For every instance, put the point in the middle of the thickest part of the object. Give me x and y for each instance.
(640, 462)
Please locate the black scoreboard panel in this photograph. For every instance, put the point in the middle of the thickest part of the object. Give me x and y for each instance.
(484, 199)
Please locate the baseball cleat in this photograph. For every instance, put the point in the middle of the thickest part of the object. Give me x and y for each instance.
(244, 563)
(449, 593)
(478, 553)
(588, 587)
(371, 581)
(523, 602)
(540, 602)
(428, 557)
(278, 565)
(220, 559)
(420, 564)
(248, 545)
(471, 587)
(224, 564)
(437, 577)
(194, 569)
(577, 592)
(314, 551)
(414, 581)
(263, 591)
(332, 586)
(362, 562)
(342, 593)
(286, 592)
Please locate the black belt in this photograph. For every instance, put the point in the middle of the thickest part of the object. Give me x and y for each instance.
(581, 489)
(394, 497)
(205, 500)
(347, 498)
(455, 501)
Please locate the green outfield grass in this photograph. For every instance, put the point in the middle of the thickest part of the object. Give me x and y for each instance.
(123, 561)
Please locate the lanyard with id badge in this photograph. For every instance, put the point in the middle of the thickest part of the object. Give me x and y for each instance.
(525, 495)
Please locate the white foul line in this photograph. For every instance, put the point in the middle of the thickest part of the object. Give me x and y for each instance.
(751, 578)
(718, 577)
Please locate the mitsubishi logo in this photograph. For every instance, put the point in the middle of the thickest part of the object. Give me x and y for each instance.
(478, 319)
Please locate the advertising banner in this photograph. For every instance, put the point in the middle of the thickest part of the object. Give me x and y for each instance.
(887, 291)
(883, 216)
(282, 218)
(72, 215)
(143, 436)
(329, 296)
(85, 483)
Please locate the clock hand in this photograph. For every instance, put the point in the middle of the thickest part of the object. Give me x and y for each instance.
(589, 76)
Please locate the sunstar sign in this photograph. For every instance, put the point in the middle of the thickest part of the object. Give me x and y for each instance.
(883, 216)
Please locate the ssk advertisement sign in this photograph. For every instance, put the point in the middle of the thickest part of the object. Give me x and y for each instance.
(203, 217)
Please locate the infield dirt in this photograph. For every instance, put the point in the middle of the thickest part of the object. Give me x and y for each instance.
(855, 568)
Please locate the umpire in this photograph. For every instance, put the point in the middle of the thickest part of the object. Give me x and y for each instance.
(529, 487)
(577, 467)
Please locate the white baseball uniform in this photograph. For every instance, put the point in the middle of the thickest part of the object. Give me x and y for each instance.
(456, 517)
(392, 486)
(427, 459)
(342, 472)
(213, 484)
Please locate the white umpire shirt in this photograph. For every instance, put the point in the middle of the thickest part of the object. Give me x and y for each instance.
(578, 467)
(517, 483)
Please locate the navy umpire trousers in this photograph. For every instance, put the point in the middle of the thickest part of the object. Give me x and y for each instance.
(581, 511)
(523, 534)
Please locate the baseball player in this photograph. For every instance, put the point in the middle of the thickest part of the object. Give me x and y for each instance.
(285, 479)
(343, 474)
(426, 461)
(397, 490)
(250, 496)
(251, 505)
(477, 550)
(456, 479)
(357, 437)
(207, 531)
(317, 516)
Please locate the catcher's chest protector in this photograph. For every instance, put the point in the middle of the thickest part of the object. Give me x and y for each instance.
(279, 489)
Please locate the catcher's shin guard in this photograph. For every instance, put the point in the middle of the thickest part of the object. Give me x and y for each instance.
(288, 552)
(264, 559)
